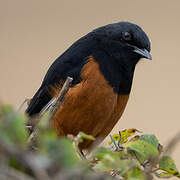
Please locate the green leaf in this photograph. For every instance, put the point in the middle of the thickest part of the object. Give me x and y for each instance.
(167, 164)
(150, 138)
(58, 149)
(124, 135)
(135, 174)
(143, 150)
(12, 126)
(108, 160)
(101, 152)
(85, 136)
(101, 167)
(16, 165)
(163, 175)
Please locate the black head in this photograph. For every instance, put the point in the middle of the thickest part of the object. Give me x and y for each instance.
(124, 40)
(119, 47)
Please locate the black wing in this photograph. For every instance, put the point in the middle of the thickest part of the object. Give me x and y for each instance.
(70, 64)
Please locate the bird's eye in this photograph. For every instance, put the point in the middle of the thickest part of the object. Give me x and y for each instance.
(127, 36)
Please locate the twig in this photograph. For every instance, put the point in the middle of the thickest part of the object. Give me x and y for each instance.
(29, 127)
(134, 152)
(25, 159)
(114, 142)
(32, 140)
(33, 129)
(81, 154)
(48, 105)
(119, 142)
(53, 106)
(25, 101)
(156, 169)
(9, 173)
(114, 173)
(172, 143)
(76, 140)
(59, 100)
(128, 168)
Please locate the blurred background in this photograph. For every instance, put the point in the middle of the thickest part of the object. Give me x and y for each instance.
(34, 33)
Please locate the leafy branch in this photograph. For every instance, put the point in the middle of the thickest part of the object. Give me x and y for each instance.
(128, 155)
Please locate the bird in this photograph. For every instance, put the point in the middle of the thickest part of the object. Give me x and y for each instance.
(102, 65)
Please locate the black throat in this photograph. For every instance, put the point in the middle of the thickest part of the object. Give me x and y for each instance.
(117, 70)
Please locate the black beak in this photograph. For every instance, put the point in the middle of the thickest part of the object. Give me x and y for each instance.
(143, 52)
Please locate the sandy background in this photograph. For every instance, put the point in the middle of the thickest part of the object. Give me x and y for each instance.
(34, 32)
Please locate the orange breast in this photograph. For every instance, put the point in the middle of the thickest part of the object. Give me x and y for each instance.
(91, 106)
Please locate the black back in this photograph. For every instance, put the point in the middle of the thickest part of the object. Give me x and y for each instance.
(106, 44)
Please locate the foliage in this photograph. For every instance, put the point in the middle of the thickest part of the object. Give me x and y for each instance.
(127, 155)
